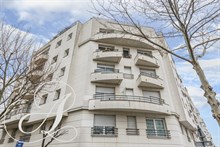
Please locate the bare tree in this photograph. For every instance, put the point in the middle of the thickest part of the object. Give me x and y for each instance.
(57, 133)
(19, 74)
(193, 22)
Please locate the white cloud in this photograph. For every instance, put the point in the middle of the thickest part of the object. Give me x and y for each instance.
(211, 68)
(40, 12)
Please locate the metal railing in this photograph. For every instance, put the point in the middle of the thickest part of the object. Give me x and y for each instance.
(18, 111)
(158, 133)
(104, 131)
(25, 138)
(152, 75)
(106, 70)
(113, 97)
(132, 131)
(145, 54)
(107, 50)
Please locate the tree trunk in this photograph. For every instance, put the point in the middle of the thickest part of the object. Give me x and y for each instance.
(209, 93)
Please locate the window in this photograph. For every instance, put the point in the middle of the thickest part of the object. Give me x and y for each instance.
(105, 48)
(152, 96)
(43, 127)
(106, 31)
(62, 71)
(105, 68)
(149, 73)
(104, 125)
(59, 43)
(69, 36)
(55, 59)
(49, 77)
(156, 128)
(128, 73)
(3, 134)
(43, 99)
(26, 137)
(57, 95)
(13, 134)
(66, 52)
(132, 126)
(126, 53)
(146, 53)
(105, 93)
(129, 91)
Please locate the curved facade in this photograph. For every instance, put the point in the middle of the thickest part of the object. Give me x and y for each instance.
(128, 94)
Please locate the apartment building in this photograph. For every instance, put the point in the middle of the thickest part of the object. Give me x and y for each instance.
(128, 93)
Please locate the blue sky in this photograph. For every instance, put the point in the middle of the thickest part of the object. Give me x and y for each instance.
(45, 18)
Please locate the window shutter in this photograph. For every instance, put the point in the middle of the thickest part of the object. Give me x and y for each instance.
(132, 122)
(105, 90)
(151, 94)
(104, 120)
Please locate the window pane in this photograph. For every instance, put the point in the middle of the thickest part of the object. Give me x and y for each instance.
(159, 125)
(150, 124)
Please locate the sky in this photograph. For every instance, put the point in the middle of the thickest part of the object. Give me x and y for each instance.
(45, 18)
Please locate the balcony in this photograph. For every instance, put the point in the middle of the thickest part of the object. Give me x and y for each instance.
(132, 131)
(146, 60)
(35, 75)
(40, 59)
(15, 115)
(107, 55)
(107, 76)
(149, 80)
(104, 131)
(29, 95)
(158, 133)
(128, 103)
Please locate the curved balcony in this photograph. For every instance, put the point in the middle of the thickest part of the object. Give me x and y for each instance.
(109, 76)
(123, 39)
(149, 80)
(41, 59)
(128, 103)
(146, 60)
(35, 75)
(29, 95)
(107, 56)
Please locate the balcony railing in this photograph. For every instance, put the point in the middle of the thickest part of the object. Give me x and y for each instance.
(158, 133)
(106, 70)
(152, 75)
(146, 54)
(18, 111)
(132, 131)
(106, 50)
(113, 97)
(104, 131)
(25, 138)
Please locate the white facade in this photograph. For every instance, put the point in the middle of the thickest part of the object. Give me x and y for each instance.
(128, 93)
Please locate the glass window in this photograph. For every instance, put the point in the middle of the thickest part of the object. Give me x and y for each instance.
(58, 43)
(127, 70)
(105, 68)
(57, 95)
(105, 93)
(104, 124)
(156, 127)
(129, 91)
(69, 36)
(43, 99)
(146, 53)
(126, 53)
(66, 52)
(55, 59)
(62, 71)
